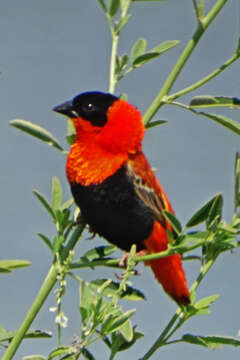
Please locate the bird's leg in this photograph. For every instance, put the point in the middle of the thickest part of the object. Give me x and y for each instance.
(124, 260)
(81, 219)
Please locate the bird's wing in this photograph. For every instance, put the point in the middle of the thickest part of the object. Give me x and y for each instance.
(147, 186)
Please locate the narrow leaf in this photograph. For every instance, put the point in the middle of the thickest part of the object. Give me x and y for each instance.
(202, 214)
(103, 6)
(113, 288)
(56, 193)
(142, 59)
(155, 123)
(87, 297)
(57, 243)
(223, 120)
(34, 357)
(87, 354)
(206, 302)
(210, 341)
(45, 203)
(175, 223)
(98, 253)
(147, 0)
(164, 46)
(113, 6)
(60, 351)
(127, 331)
(67, 204)
(124, 96)
(208, 101)
(123, 21)
(8, 335)
(14, 264)
(46, 240)
(36, 131)
(215, 212)
(127, 344)
(4, 270)
(138, 49)
(237, 183)
(117, 322)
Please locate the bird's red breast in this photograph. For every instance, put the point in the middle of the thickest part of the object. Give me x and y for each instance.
(114, 185)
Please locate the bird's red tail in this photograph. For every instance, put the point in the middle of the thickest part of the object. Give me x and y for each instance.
(168, 271)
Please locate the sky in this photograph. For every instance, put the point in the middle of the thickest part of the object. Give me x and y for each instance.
(54, 50)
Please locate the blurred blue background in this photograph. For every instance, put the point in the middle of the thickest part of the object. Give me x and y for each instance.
(53, 50)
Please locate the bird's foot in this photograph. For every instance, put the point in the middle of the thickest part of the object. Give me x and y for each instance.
(79, 220)
(124, 261)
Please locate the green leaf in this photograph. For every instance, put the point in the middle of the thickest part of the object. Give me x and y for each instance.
(56, 193)
(114, 323)
(215, 212)
(155, 123)
(142, 59)
(202, 214)
(67, 204)
(123, 96)
(125, 4)
(87, 298)
(87, 354)
(122, 22)
(71, 133)
(36, 131)
(113, 288)
(61, 351)
(147, 0)
(237, 183)
(57, 243)
(210, 341)
(127, 331)
(13, 264)
(113, 6)
(174, 222)
(34, 357)
(45, 203)
(31, 334)
(71, 139)
(165, 46)
(103, 6)
(46, 240)
(223, 120)
(138, 49)
(4, 270)
(121, 63)
(206, 302)
(214, 101)
(98, 253)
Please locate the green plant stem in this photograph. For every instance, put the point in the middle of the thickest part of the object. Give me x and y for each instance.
(44, 291)
(112, 74)
(159, 341)
(179, 315)
(115, 262)
(195, 6)
(115, 37)
(205, 79)
(42, 295)
(201, 28)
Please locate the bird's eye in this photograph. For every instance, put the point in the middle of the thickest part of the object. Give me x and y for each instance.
(89, 108)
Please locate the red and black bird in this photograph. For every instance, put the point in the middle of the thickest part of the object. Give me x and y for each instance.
(114, 185)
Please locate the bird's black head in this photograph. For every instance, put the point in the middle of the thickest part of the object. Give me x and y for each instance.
(91, 106)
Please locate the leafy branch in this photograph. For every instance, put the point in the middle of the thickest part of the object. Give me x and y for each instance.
(101, 313)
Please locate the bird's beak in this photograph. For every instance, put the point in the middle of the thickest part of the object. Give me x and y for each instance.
(66, 109)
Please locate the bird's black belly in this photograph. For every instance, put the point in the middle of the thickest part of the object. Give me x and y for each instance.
(114, 210)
